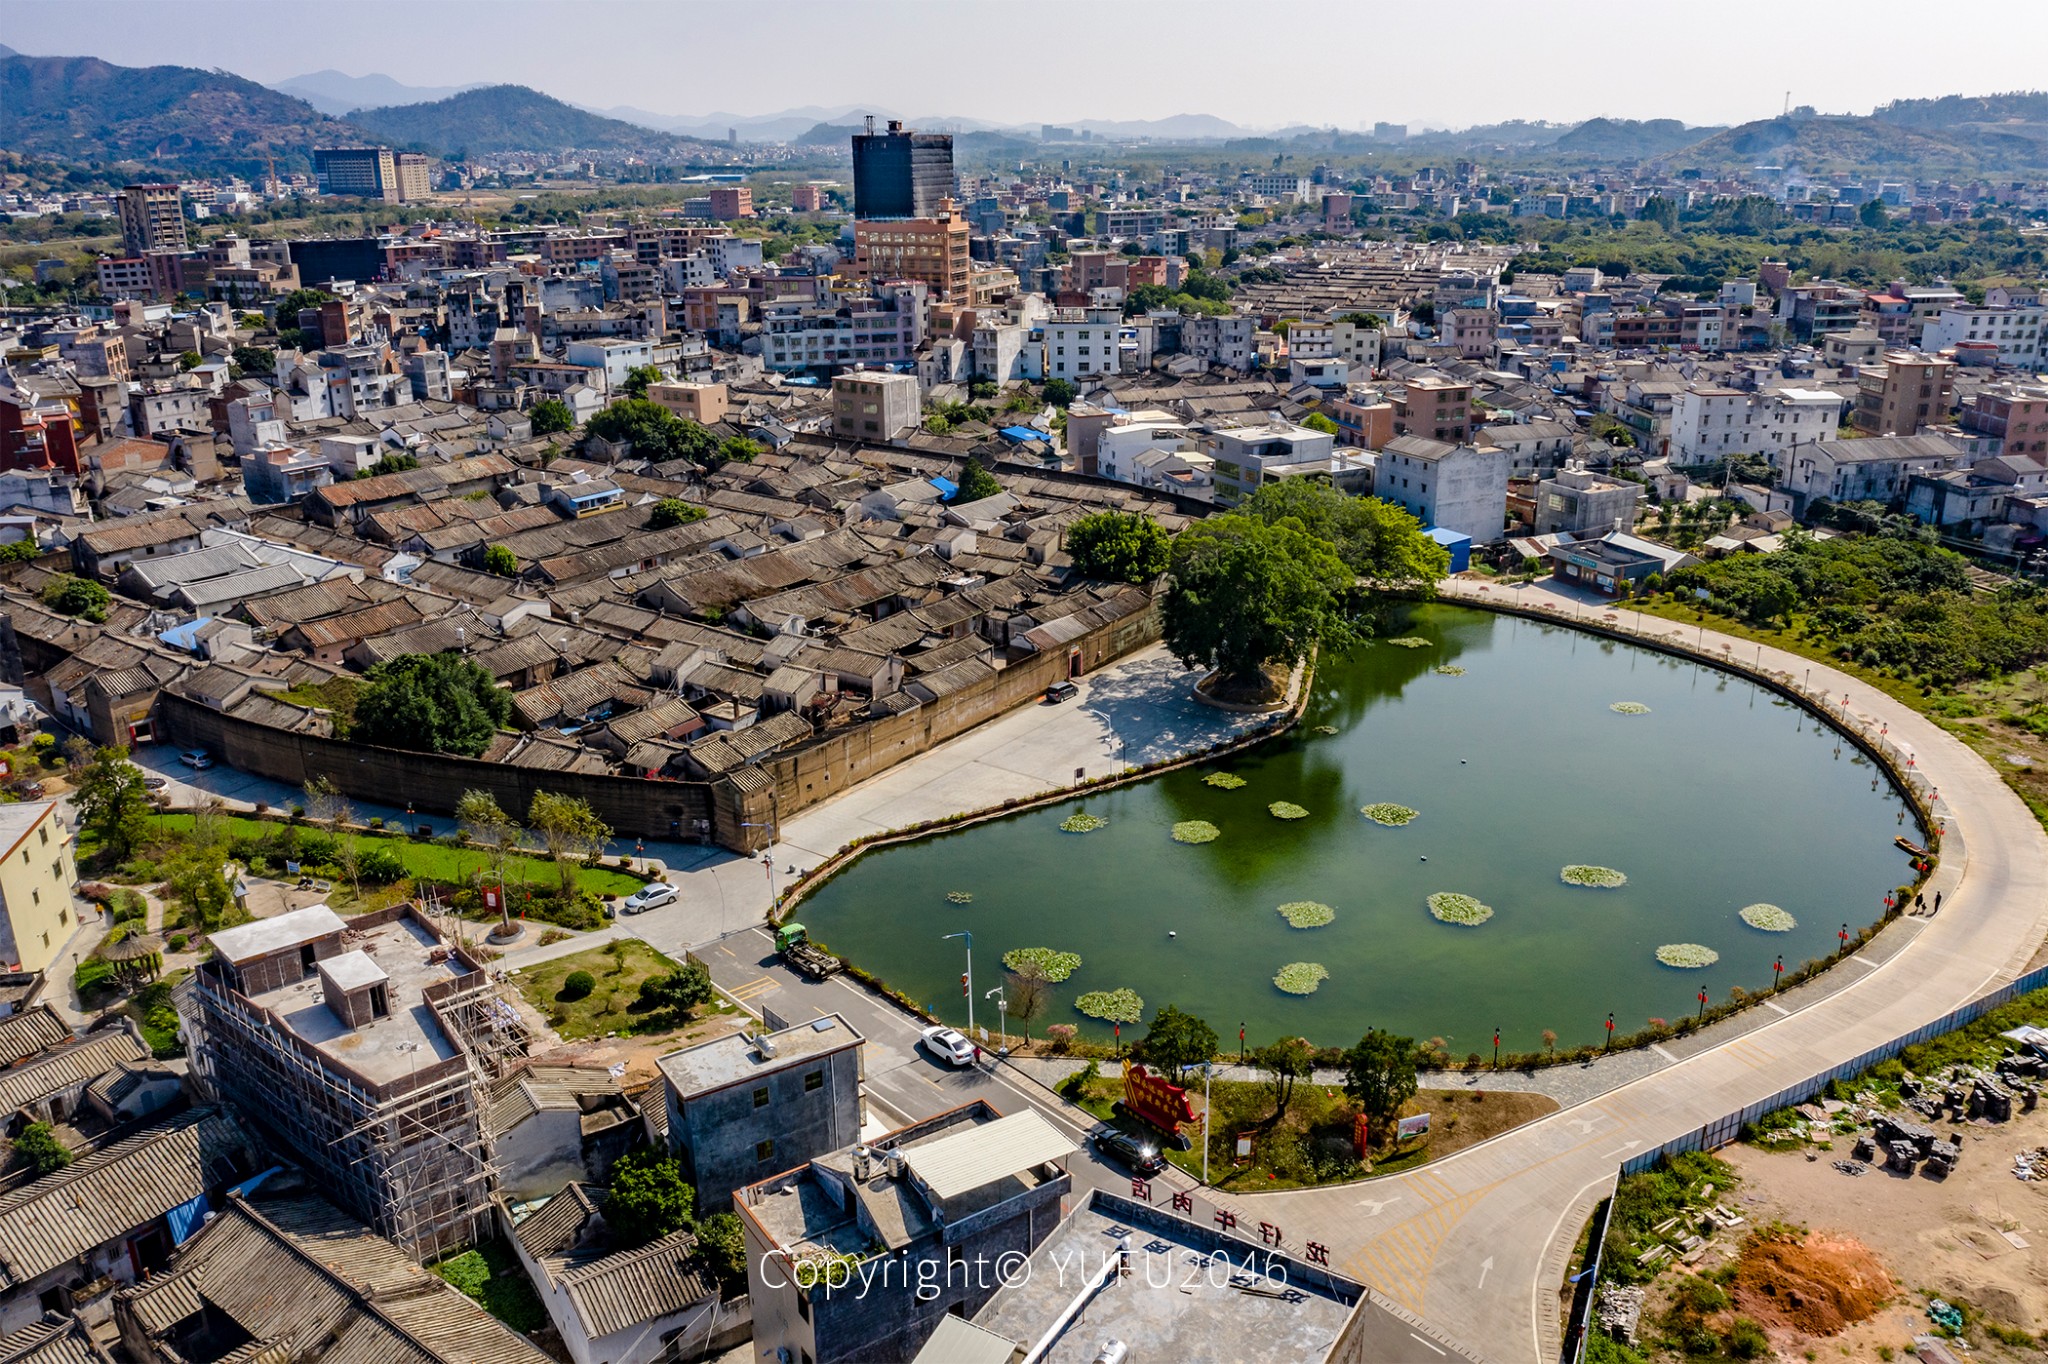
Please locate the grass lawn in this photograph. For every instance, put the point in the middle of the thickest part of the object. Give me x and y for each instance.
(614, 1006)
(491, 1275)
(435, 861)
(1312, 1145)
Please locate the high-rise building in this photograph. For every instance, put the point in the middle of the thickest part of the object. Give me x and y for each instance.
(901, 174)
(932, 250)
(152, 219)
(374, 173)
(415, 176)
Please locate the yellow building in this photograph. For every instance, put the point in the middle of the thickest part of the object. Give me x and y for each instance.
(37, 874)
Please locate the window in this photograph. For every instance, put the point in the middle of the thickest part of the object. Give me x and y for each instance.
(764, 1149)
(761, 1097)
(45, 832)
(814, 1081)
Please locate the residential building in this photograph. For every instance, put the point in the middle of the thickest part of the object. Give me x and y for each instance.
(1247, 457)
(1577, 500)
(284, 473)
(1533, 447)
(1231, 342)
(2015, 331)
(742, 1106)
(931, 250)
(1872, 469)
(700, 403)
(1905, 392)
(798, 336)
(901, 173)
(2015, 415)
(126, 277)
(1277, 185)
(366, 1058)
(613, 357)
(1471, 331)
(152, 219)
(1358, 346)
(1786, 418)
(1710, 423)
(907, 1214)
(1461, 488)
(732, 202)
(1435, 407)
(1155, 450)
(37, 873)
(1082, 344)
(806, 199)
(1979, 495)
(415, 176)
(364, 172)
(874, 406)
(1615, 563)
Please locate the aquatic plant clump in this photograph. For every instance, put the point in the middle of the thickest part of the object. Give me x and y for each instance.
(1326, 729)
(1387, 813)
(1112, 1006)
(1196, 831)
(959, 897)
(1453, 908)
(1083, 824)
(1629, 708)
(1223, 781)
(1301, 977)
(1051, 965)
(1689, 955)
(1306, 914)
(1769, 918)
(1287, 809)
(1448, 670)
(1408, 642)
(1599, 878)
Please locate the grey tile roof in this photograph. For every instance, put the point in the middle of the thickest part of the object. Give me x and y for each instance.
(64, 1066)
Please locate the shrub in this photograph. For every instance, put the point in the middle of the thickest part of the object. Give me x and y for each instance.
(38, 1148)
(380, 866)
(92, 975)
(1075, 1086)
(577, 985)
(1061, 1035)
(177, 942)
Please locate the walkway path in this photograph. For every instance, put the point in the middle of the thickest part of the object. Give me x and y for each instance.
(1477, 1243)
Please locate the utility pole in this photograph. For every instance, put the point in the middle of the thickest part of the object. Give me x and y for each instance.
(969, 981)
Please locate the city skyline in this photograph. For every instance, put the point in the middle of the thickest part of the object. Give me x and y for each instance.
(1404, 72)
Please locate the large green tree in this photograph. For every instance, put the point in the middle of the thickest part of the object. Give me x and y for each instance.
(1379, 1075)
(1245, 594)
(75, 596)
(1285, 1062)
(1378, 541)
(673, 511)
(549, 416)
(430, 703)
(113, 803)
(655, 432)
(569, 829)
(976, 483)
(639, 378)
(1176, 1041)
(1122, 546)
(649, 1198)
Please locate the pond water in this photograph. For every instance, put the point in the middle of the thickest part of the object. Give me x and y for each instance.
(1721, 796)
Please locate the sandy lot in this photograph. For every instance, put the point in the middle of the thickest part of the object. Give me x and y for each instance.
(1980, 1236)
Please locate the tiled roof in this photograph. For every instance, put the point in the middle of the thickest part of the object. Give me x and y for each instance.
(29, 1031)
(53, 1340)
(64, 1066)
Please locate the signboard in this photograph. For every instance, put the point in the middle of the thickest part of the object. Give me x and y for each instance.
(1416, 1126)
(1360, 1134)
(1244, 1147)
(493, 897)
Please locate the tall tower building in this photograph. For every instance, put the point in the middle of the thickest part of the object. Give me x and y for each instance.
(152, 219)
(901, 174)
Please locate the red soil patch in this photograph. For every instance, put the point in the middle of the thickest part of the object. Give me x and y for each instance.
(1812, 1283)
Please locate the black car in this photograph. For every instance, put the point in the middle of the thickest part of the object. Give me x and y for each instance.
(1128, 1149)
(1061, 691)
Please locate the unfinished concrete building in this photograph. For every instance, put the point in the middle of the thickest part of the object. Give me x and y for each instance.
(365, 1048)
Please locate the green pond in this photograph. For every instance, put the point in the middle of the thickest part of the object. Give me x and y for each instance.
(1721, 796)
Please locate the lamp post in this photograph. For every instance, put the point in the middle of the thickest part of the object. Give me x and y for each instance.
(1002, 1016)
(1778, 972)
(1496, 1046)
(1610, 1033)
(970, 975)
(1240, 1043)
(1208, 1074)
(768, 863)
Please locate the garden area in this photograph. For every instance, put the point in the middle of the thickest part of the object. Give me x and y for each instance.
(624, 987)
(490, 1275)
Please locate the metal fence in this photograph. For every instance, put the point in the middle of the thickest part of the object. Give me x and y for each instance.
(1580, 1322)
(1728, 1127)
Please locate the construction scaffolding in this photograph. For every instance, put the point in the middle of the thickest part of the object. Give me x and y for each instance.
(410, 1155)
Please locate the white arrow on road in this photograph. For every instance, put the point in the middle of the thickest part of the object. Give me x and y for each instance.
(1585, 1125)
(1621, 1150)
(1373, 1205)
(1485, 1268)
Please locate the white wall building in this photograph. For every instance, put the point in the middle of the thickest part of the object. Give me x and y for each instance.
(1082, 343)
(2015, 330)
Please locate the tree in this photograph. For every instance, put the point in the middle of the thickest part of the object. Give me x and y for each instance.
(1028, 996)
(724, 1246)
(1550, 1041)
(1365, 321)
(1379, 1075)
(739, 450)
(673, 511)
(1872, 214)
(1377, 540)
(550, 416)
(1175, 1042)
(502, 561)
(1059, 392)
(297, 301)
(71, 595)
(1316, 421)
(1661, 211)
(649, 1198)
(568, 828)
(654, 432)
(1245, 594)
(38, 1148)
(490, 828)
(976, 483)
(394, 463)
(1284, 1062)
(430, 703)
(254, 360)
(638, 378)
(1121, 546)
(678, 992)
(112, 799)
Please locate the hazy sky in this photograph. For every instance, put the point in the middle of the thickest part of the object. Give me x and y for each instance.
(1262, 63)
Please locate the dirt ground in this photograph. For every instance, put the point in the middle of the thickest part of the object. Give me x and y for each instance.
(1978, 1237)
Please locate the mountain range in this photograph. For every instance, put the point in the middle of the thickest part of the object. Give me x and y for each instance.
(336, 92)
(512, 118)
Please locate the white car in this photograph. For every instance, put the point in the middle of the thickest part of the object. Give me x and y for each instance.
(196, 758)
(649, 897)
(949, 1045)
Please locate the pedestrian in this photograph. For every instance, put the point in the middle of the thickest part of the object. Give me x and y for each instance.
(977, 1056)
(1937, 903)
(1920, 902)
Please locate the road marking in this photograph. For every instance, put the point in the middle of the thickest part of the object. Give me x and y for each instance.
(1774, 1007)
(755, 988)
(1585, 1125)
(1378, 1205)
(1663, 1053)
(1412, 1336)
(1485, 1268)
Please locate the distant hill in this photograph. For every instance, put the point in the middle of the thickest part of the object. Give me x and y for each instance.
(1628, 137)
(511, 118)
(337, 92)
(1832, 142)
(173, 118)
(2021, 106)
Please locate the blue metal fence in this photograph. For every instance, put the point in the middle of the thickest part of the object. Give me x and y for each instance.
(1727, 1128)
(1580, 1322)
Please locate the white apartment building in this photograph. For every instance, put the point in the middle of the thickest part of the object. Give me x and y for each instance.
(1248, 456)
(1461, 488)
(1357, 346)
(1710, 423)
(1231, 342)
(1082, 343)
(2015, 330)
(1271, 185)
(1787, 418)
(799, 336)
(1156, 450)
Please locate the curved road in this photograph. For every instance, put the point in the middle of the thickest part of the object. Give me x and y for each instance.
(1477, 1243)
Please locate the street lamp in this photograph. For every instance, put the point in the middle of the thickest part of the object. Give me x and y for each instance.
(1208, 1074)
(970, 975)
(1002, 1017)
(768, 864)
